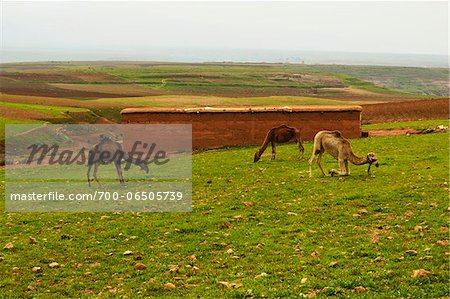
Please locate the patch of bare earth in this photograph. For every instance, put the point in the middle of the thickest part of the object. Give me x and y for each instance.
(391, 132)
(14, 113)
(125, 90)
(406, 111)
(59, 76)
(102, 120)
(355, 94)
(402, 131)
(10, 86)
(49, 101)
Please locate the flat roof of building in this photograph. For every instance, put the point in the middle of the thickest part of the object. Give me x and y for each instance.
(243, 109)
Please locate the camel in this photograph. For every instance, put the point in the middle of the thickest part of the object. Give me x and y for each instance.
(107, 151)
(280, 134)
(337, 146)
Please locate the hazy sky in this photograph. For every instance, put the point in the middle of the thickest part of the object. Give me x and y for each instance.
(390, 27)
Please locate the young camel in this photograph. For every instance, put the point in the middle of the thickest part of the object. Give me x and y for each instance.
(109, 151)
(280, 134)
(337, 146)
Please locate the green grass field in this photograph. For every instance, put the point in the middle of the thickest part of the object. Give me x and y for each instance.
(34, 113)
(54, 111)
(359, 236)
(228, 79)
(198, 101)
(263, 230)
(4, 121)
(414, 80)
(107, 87)
(210, 77)
(422, 124)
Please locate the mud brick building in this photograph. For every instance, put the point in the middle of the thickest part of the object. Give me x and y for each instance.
(215, 127)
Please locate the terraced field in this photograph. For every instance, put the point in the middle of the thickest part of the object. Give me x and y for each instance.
(107, 87)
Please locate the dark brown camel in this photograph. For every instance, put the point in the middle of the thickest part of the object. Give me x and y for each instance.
(280, 134)
(109, 151)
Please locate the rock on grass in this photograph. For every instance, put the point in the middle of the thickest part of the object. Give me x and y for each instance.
(140, 266)
(54, 265)
(420, 273)
(230, 285)
(9, 246)
(169, 286)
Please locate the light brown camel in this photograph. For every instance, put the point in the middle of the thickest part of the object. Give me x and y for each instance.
(337, 146)
(108, 151)
(280, 134)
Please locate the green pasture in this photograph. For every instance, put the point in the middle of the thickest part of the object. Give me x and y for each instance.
(257, 230)
(5, 120)
(193, 101)
(383, 79)
(55, 111)
(420, 124)
(216, 78)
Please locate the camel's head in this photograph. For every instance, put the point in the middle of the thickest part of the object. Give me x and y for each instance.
(257, 157)
(143, 165)
(373, 159)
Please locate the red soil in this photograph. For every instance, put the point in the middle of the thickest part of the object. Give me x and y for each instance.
(59, 77)
(22, 114)
(10, 86)
(401, 131)
(405, 111)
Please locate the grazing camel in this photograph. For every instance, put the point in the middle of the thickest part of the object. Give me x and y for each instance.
(107, 151)
(337, 146)
(280, 134)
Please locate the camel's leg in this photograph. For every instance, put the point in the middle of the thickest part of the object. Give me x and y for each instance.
(319, 159)
(299, 142)
(95, 173)
(88, 172)
(301, 150)
(274, 150)
(347, 171)
(311, 162)
(342, 167)
(119, 172)
(316, 152)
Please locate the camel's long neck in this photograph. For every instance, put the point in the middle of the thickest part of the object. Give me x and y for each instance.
(264, 145)
(358, 160)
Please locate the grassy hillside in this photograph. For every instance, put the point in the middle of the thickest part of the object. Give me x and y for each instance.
(115, 79)
(212, 101)
(424, 124)
(107, 87)
(360, 236)
(413, 80)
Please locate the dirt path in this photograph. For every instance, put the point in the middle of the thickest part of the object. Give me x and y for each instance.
(102, 120)
(401, 131)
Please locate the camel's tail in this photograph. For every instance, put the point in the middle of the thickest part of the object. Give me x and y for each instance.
(298, 140)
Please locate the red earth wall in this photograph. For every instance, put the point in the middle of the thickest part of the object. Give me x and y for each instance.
(405, 111)
(241, 126)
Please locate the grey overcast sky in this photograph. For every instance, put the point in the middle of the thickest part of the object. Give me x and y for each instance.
(377, 27)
